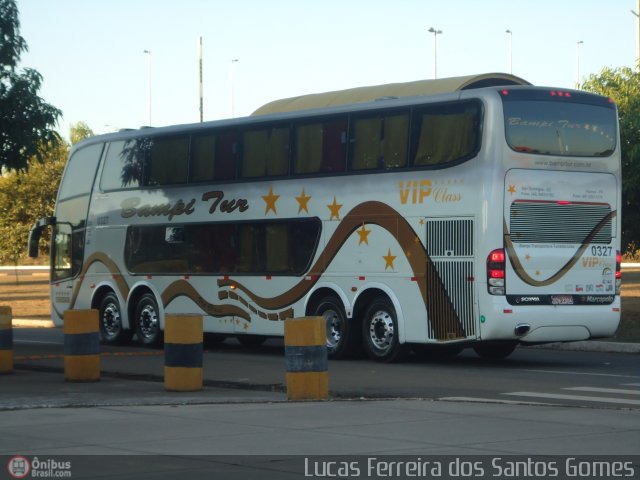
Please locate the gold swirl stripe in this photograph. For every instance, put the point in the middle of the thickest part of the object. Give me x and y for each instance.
(444, 321)
(528, 279)
(182, 288)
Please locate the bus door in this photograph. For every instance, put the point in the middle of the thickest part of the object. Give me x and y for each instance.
(451, 297)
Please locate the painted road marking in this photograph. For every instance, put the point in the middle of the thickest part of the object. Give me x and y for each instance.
(582, 398)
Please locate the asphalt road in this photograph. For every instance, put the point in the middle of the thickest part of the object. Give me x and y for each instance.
(529, 375)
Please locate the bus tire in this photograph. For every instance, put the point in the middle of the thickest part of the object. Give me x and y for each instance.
(147, 321)
(342, 334)
(112, 332)
(380, 333)
(495, 350)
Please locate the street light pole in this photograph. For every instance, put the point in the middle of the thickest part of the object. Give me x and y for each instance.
(637, 14)
(510, 50)
(435, 50)
(233, 62)
(200, 89)
(578, 43)
(148, 53)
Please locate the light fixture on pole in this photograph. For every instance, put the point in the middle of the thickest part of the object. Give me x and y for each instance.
(510, 33)
(435, 50)
(148, 53)
(578, 43)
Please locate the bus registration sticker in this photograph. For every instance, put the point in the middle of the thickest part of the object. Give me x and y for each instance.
(561, 300)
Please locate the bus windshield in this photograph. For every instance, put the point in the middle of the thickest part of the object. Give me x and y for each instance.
(559, 123)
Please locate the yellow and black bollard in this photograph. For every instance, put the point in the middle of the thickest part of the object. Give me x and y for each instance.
(183, 353)
(305, 346)
(6, 340)
(81, 346)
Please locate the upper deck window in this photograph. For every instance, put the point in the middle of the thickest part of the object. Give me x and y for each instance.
(380, 141)
(446, 133)
(559, 123)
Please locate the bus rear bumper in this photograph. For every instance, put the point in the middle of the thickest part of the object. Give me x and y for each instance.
(557, 333)
(550, 323)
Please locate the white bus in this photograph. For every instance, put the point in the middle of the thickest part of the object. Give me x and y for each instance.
(483, 215)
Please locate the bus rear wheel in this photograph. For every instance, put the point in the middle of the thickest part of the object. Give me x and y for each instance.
(112, 332)
(380, 333)
(147, 321)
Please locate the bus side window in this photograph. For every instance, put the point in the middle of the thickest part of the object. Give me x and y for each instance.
(123, 165)
(380, 142)
(265, 152)
(168, 161)
(320, 147)
(445, 134)
(213, 157)
(203, 150)
(277, 246)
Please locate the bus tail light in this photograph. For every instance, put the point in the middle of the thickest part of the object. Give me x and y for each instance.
(618, 272)
(496, 265)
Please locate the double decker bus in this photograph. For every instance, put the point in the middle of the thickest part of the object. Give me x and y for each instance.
(431, 216)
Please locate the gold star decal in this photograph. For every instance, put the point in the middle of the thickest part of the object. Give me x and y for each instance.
(512, 189)
(303, 201)
(270, 200)
(335, 209)
(388, 258)
(537, 273)
(527, 257)
(364, 235)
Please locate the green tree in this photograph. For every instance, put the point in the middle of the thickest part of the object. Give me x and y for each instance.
(623, 86)
(30, 194)
(25, 196)
(79, 132)
(26, 120)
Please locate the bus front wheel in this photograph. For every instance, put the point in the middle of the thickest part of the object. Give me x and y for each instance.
(147, 321)
(380, 333)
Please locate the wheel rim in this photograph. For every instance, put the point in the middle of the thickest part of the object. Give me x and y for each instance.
(335, 328)
(148, 322)
(111, 320)
(381, 331)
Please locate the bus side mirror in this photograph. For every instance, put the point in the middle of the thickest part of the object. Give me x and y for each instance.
(36, 232)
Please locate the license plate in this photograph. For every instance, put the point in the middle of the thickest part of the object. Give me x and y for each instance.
(561, 300)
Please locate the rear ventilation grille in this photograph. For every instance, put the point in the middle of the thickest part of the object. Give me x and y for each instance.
(450, 238)
(457, 278)
(550, 222)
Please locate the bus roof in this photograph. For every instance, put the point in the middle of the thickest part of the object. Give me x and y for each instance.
(408, 89)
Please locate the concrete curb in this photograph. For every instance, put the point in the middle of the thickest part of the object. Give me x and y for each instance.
(593, 346)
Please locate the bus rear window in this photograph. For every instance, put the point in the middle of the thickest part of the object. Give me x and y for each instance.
(559, 123)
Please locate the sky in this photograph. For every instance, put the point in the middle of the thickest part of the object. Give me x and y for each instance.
(91, 53)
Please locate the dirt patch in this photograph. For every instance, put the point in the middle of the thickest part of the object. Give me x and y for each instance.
(29, 298)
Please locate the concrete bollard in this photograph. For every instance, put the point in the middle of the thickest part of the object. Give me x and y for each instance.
(305, 347)
(81, 346)
(6, 340)
(183, 353)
